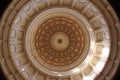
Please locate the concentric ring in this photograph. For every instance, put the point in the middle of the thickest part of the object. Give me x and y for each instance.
(51, 24)
(59, 40)
(61, 43)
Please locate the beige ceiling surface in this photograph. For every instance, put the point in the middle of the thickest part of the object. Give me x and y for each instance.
(59, 40)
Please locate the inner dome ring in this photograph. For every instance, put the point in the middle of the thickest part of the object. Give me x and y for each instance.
(67, 70)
